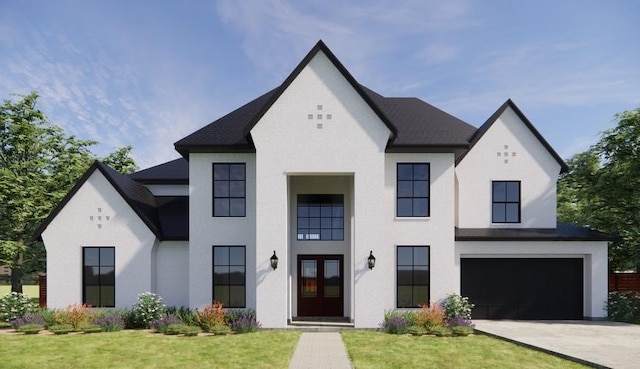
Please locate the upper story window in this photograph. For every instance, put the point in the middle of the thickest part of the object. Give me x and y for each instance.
(505, 202)
(412, 190)
(229, 190)
(321, 217)
(99, 276)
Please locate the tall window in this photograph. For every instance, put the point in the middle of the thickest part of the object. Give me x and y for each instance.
(229, 276)
(506, 202)
(412, 190)
(99, 276)
(229, 190)
(412, 276)
(321, 217)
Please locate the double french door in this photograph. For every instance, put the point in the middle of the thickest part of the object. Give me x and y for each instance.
(320, 285)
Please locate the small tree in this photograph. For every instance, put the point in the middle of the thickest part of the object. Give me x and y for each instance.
(38, 166)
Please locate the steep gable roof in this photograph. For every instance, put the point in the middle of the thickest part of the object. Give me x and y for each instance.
(172, 172)
(494, 117)
(414, 124)
(139, 198)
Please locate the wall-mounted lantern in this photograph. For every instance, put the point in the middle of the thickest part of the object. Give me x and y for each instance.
(274, 260)
(371, 260)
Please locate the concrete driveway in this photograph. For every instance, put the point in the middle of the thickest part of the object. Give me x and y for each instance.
(598, 343)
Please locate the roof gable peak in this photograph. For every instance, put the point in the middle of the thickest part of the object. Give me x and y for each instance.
(320, 46)
(497, 114)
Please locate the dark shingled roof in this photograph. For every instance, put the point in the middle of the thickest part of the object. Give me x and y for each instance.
(154, 212)
(172, 172)
(563, 232)
(415, 126)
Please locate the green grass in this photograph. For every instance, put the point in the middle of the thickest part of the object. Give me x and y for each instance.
(29, 290)
(137, 349)
(381, 350)
(33, 291)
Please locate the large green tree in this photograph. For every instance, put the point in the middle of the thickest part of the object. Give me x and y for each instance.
(602, 189)
(38, 166)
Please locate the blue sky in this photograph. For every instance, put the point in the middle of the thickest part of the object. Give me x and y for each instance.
(147, 73)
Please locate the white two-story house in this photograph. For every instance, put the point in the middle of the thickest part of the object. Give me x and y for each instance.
(322, 175)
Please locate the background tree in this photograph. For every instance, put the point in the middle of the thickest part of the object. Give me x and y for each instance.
(38, 166)
(602, 190)
(121, 160)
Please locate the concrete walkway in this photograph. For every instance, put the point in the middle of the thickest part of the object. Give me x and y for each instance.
(320, 350)
(600, 343)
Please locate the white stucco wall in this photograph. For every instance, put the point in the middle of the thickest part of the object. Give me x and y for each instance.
(532, 164)
(594, 254)
(288, 143)
(205, 231)
(172, 272)
(436, 231)
(73, 228)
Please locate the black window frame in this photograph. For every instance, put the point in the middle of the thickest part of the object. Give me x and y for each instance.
(401, 187)
(505, 202)
(409, 271)
(330, 217)
(221, 197)
(102, 280)
(230, 280)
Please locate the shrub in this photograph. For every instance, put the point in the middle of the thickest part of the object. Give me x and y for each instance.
(131, 320)
(185, 315)
(148, 308)
(460, 321)
(15, 305)
(394, 322)
(416, 331)
(211, 316)
(75, 315)
(61, 328)
(243, 321)
(457, 306)
(30, 328)
(110, 322)
(430, 316)
(187, 330)
(160, 325)
(460, 330)
(220, 329)
(32, 319)
(624, 306)
(49, 317)
(440, 331)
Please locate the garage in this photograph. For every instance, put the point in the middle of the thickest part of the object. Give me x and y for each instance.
(523, 288)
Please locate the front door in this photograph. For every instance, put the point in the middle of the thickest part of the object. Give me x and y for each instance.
(320, 285)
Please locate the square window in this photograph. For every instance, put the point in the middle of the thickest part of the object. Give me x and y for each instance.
(320, 217)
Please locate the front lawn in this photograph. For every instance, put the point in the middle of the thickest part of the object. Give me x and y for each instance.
(139, 349)
(32, 291)
(381, 350)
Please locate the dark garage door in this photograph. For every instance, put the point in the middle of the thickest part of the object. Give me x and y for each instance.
(523, 288)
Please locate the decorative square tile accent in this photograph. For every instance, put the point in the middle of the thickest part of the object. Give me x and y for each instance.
(309, 116)
(319, 126)
(329, 116)
(319, 107)
(98, 219)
